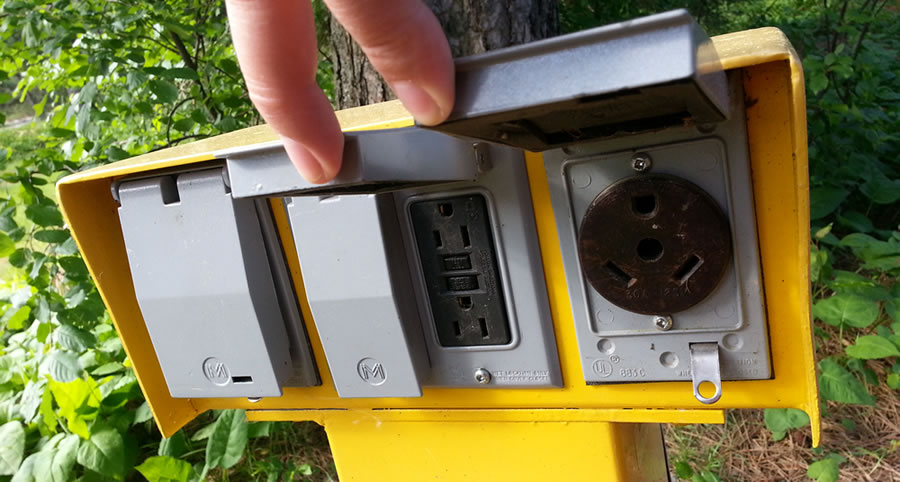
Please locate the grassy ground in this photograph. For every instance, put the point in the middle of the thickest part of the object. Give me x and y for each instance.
(743, 448)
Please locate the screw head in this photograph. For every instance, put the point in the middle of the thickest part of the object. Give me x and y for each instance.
(641, 162)
(663, 323)
(482, 376)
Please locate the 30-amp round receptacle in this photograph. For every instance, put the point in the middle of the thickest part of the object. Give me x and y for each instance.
(654, 244)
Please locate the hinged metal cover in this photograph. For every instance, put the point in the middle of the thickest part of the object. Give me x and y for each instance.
(644, 74)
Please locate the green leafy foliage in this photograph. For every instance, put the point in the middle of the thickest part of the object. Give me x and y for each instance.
(838, 384)
(780, 420)
(873, 346)
(827, 469)
(163, 468)
(108, 80)
(12, 447)
(228, 440)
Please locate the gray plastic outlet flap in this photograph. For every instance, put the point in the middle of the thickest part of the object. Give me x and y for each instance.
(359, 290)
(643, 74)
(204, 285)
(374, 161)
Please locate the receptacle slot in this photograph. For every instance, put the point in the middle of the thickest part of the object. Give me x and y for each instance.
(461, 272)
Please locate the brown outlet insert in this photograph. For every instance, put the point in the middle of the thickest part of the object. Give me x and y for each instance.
(654, 244)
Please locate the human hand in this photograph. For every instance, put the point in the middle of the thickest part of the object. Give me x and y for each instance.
(275, 42)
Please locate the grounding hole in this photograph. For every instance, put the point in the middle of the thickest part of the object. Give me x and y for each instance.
(645, 205)
(649, 249)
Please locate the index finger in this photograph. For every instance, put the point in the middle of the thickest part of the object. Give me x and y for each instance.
(275, 41)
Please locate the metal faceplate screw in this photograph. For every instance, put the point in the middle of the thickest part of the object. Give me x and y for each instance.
(663, 323)
(641, 162)
(482, 376)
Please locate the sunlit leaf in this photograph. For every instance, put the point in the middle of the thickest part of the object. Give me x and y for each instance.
(827, 469)
(839, 385)
(229, 439)
(871, 347)
(12, 447)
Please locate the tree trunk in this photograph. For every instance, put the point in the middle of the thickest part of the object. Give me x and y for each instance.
(472, 26)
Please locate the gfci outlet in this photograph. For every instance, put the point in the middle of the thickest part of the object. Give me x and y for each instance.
(659, 244)
(459, 264)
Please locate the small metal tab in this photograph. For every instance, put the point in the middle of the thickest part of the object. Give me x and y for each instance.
(705, 368)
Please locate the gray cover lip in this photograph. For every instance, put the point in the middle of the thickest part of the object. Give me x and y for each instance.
(374, 161)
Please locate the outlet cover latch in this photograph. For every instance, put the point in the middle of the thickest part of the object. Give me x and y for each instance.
(705, 369)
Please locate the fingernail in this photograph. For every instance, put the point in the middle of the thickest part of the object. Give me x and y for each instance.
(418, 102)
(304, 161)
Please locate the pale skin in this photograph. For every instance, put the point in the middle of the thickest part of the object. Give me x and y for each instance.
(275, 42)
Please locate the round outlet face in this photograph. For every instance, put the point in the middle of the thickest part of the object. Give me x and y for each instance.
(654, 244)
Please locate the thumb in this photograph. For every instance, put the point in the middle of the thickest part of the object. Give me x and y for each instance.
(405, 43)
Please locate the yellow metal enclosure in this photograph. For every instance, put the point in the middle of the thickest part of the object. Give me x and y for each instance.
(576, 432)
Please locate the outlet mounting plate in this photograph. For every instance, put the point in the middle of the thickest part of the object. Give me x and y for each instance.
(618, 345)
(530, 358)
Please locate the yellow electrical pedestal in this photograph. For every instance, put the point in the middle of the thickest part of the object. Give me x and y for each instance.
(576, 431)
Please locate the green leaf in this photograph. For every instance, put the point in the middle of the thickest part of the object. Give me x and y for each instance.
(824, 200)
(856, 220)
(871, 347)
(62, 366)
(780, 420)
(818, 82)
(229, 439)
(839, 385)
(31, 399)
(842, 308)
(259, 429)
(827, 469)
(142, 414)
(107, 369)
(893, 381)
(174, 446)
(55, 236)
(26, 470)
(163, 468)
(55, 464)
(705, 476)
(74, 267)
(683, 470)
(12, 447)
(184, 124)
(203, 433)
(165, 91)
(115, 153)
(16, 318)
(44, 215)
(180, 73)
(881, 190)
(74, 339)
(104, 452)
(7, 245)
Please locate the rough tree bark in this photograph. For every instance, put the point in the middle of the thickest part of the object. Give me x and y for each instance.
(472, 26)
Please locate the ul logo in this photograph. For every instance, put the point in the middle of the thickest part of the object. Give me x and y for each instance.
(371, 371)
(602, 368)
(216, 371)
